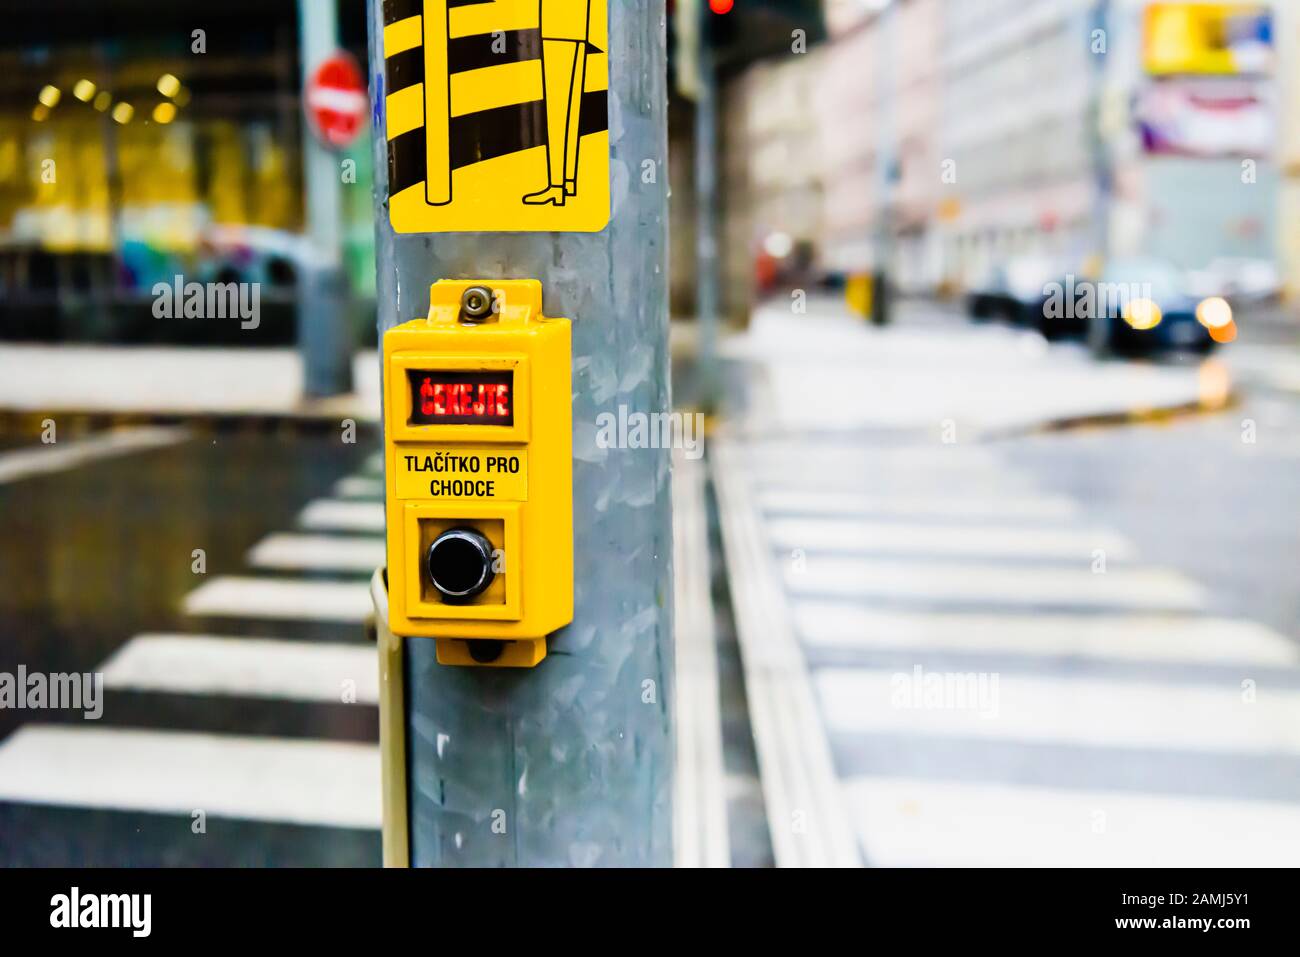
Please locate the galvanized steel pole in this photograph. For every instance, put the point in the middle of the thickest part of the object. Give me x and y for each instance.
(569, 763)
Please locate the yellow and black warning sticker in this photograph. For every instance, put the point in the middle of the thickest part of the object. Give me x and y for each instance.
(497, 115)
(494, 474)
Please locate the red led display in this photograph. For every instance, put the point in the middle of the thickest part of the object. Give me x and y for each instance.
(462, 398)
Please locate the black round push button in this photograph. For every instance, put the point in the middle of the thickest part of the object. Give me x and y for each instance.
(460, 564)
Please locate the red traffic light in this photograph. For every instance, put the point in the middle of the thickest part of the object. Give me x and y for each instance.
(721, 6)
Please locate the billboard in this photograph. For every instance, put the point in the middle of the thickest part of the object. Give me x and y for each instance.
(1225, 39)
(1211, 118)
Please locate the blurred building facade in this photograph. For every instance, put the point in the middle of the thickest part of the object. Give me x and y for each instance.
(140, 141)
(771, 174)
(1017, 102)
(1289, 146)
(945, 136)
(878, 102)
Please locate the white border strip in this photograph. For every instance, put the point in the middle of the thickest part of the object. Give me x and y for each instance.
(282, 598)
(1141, 637)
(858, 537)
(909, 822)
(56, 457)
(359, 486)
(343, 515)
(330, 672)
(331, 783)
(700, 835)
(951, 503)
(322, 553)
(807, 814)
(1059, 710)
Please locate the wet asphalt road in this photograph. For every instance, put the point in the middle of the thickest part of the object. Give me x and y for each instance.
(97, 553)
(93, 555)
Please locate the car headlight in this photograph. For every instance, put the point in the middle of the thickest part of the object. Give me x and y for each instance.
(1142, 314)
(1214, 313)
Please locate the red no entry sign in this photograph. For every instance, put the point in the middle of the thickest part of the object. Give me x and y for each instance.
(336, 100)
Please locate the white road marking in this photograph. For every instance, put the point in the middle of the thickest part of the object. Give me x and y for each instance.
(70, 453)
(989, 583)
(700, 837)
(260, 779)
(808, 821)
(992, 541)
(904, 822)
(1124, 637)
(892, 481)
(318, 552)
(359, 486)
(781, 454)
(954, 504)
(178, 380)
(237, 597)
(1078, 711)
(332, 514)
(246, 667)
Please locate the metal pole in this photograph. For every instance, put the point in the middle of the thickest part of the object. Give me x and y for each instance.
(1103, 168)
(707, 298)
(886, 161)
(324, 338)
(568, 763)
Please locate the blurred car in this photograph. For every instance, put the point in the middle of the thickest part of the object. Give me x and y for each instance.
(1146, 307)
(272, 257)
(1238, 279)
(1014, 291)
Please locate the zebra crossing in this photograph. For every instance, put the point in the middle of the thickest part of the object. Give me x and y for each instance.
(278, 649)
(947, 665)
(257, 722)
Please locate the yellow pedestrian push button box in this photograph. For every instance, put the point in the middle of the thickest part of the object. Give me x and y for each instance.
(478, 445)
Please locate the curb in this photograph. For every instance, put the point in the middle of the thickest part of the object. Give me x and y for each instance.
(14, 422)
(1156, 416)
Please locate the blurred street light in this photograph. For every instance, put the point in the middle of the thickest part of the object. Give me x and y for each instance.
(168, 85)
(778, 245)
(1214, 313)
(1142, 314)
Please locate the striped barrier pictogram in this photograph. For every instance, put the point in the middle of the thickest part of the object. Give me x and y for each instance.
(486, 59)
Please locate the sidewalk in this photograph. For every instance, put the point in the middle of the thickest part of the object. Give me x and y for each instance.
(204, 381)
(828, 371)
(954, 655)
(173, 381)
(1275, 367)
(824, 370)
